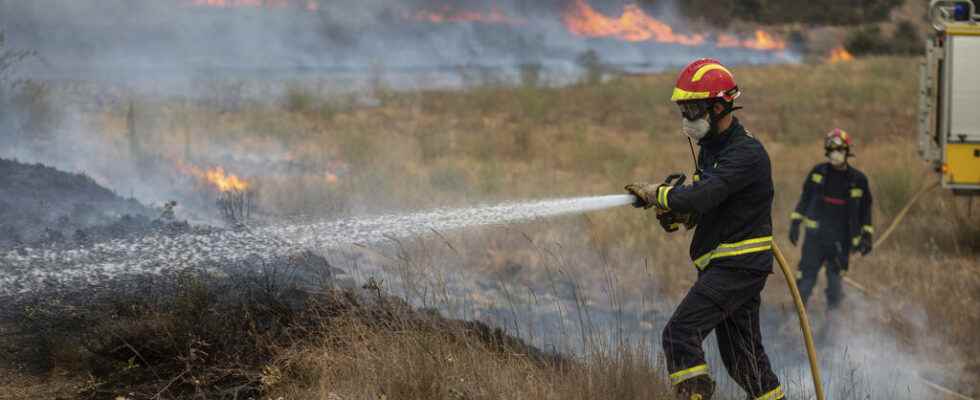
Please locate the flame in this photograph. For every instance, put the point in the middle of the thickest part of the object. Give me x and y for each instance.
(637, 26)
(225, 183)
(216, 177)
(634, 25)
(446, 14)
(762, 40)
(839, 54)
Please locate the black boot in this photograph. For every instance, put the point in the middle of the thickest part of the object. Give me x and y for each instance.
(697, 388)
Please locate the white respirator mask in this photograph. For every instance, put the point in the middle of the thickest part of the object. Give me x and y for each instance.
(697, 129)
(837, 157)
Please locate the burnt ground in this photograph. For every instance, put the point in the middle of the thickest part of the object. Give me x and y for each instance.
(41, 205)
(205, 331)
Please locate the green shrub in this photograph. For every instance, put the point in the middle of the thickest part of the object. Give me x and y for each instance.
(299, 100)
(530, 74)
(592, 64)
(906, 40)
(870, 40)
(866, 41)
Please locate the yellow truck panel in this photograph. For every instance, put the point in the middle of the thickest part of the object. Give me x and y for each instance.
(963, 163)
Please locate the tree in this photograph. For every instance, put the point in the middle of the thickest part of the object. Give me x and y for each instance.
(9, 59)
(590, 62)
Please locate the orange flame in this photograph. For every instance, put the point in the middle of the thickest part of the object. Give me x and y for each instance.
(634, 25)
(762, 40)
(226, 183)
(839, 54)
(216, 177)
(637, 26)
(446, 14)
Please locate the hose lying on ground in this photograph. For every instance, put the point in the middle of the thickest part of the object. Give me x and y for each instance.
(811, 351)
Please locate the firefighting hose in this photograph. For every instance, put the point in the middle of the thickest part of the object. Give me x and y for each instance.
(891, 228)
(800, 310)
(811, 351)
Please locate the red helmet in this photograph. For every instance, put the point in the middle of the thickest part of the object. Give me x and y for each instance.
(837, 139)
(705, 79)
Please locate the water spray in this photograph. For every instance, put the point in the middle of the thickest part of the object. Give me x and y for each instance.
(29, 269)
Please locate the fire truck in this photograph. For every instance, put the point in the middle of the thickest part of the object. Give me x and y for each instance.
(949, 117)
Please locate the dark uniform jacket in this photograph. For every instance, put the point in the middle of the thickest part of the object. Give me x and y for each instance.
(733, 200)
(810, 209)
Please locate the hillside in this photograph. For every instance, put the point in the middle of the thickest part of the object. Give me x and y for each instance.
(609, 279)
(39, 203)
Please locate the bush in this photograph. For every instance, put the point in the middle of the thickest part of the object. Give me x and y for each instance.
(592, 64)
(869, 40)
(530, 74)
(865, 41)
(824, 12)
(299, 100)
(906, 40)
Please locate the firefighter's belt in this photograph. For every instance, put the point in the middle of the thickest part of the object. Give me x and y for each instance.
(734, 249)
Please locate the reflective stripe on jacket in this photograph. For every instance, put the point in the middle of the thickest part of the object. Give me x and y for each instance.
(810, 207)
(733, 198)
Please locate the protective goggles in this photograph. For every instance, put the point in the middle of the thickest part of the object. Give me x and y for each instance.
(835, 144)
(694, 110)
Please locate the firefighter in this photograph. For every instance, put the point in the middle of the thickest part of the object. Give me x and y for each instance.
(835, 208)
(729, 204)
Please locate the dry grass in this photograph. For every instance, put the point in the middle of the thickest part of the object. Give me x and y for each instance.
(424, 149)
(355, 361)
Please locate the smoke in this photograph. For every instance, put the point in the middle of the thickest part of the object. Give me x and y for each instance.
(561, 293)
(97, 55)
(154, 41)
(128, 57)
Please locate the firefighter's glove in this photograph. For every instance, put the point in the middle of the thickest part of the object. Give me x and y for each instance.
(646, 194)
(864, 246)
(668, 220)
(650, 195)
(794, 231)
(672, 221)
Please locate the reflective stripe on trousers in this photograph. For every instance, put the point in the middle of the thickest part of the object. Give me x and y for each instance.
(734, 249)
(775, 394)
(680, 376)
